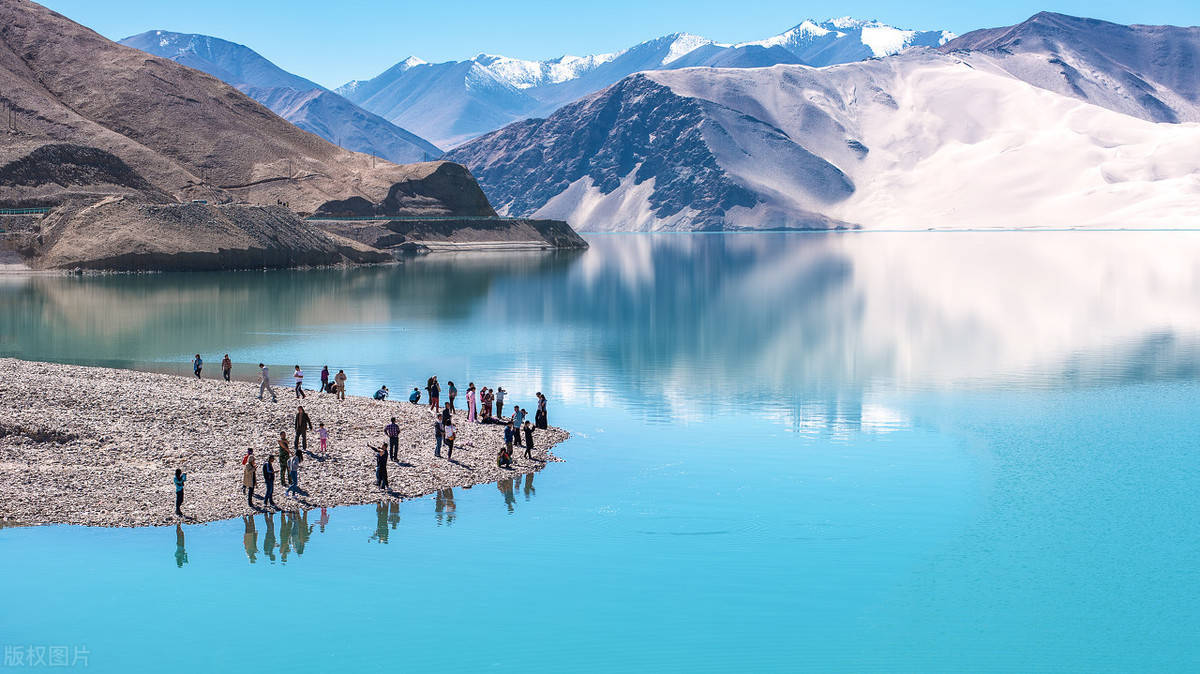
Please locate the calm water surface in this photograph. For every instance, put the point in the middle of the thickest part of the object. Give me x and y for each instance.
(909, 452)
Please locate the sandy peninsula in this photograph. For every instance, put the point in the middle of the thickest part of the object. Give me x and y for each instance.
(98, 446)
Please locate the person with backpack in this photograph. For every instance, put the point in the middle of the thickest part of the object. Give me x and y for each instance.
(392, 431)
(268, 471)
(180, 478)
(226, 367)
(197, 365)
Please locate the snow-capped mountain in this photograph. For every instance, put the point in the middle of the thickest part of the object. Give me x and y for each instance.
(489, 91)
(296, 99)
(922, 139)
(847, 39)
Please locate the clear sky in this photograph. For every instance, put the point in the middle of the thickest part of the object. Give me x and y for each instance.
(332, 42)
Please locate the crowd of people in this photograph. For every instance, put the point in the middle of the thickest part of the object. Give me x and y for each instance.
(518, 431)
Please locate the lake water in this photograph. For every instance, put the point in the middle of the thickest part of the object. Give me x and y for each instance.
(891, 451)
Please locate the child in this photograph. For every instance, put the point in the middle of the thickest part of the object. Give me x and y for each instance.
(504, 458)
(323, 434)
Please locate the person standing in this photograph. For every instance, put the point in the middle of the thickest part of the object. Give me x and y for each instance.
(303, 426)
(508, 437)
(471, 403)
(540, 415)
(518, 420)
(340, 381)
(226, 367)
(528, 440)
(434, 393)
(446, 415)
(323, 435)
(246, 459)
(197, 365)
(269, 481)
(298, 377)
(293, 475)
(284, 455)
(381, 479)
(324, 378)
(392, 431)
(439, 435)
(264, 382)
(451, 394)
(450, 435)
(500, 402)
(180, 478)
(248, 479)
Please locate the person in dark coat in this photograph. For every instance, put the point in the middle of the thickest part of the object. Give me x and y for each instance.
(303, 425)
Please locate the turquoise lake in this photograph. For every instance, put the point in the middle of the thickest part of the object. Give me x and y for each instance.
(792, 452)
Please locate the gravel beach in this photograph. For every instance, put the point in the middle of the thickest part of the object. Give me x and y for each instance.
(98, 446)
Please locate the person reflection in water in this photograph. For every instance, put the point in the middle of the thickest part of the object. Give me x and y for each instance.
(285, 536)
(381, 528)
(250, 538)
(301, 530)
(269, 537)
(529, 490)
(394, 513)
(443, 506)
(324, 518)
(180, 552)
(506, 488)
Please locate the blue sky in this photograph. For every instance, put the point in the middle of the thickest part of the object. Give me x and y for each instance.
(331, 43)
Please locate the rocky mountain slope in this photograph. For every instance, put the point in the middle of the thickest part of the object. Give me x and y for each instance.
(1151, 72)
(300, 101)
(922, 139)
(454, 101)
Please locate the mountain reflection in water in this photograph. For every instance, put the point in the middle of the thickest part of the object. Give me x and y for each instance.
(805, 326)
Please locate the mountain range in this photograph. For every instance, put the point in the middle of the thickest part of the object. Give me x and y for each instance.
(1057, 121)
(130, 161)
(296, 99)
(454, 101)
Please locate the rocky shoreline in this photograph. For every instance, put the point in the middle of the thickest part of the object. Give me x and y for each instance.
(98, 446)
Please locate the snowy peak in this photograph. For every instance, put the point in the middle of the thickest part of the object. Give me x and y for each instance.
(682, 44)
(848, 39)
